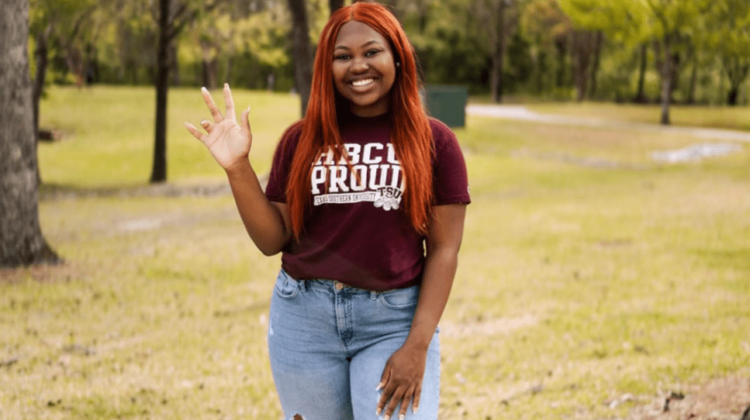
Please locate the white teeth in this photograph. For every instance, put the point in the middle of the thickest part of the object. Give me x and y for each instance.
(362, 82)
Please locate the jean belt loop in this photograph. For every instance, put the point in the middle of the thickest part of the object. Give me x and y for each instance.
(373, 295)
(302, 285)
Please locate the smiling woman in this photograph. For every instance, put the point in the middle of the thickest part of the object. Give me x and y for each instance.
(366, 201)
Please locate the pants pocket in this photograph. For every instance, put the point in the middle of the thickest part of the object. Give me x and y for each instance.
(286, 287)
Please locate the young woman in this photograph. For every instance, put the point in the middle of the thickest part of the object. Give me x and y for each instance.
(366, 202)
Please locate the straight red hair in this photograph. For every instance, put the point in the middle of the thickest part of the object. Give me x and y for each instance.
(411, 134)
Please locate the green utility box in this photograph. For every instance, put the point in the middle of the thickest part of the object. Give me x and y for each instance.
(447, 103)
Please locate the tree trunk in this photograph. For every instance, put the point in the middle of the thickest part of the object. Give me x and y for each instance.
(21, 240)
(666, 80)
(595, 65)
(732, 96)
(303, 56)
(737, 68)
(41, 57)
(674, 80)
(334, 5)
(693, 80)
(582, 50)
(159, 167)
(561, 45)
(209, 69)
(496, 78)
(640, 96)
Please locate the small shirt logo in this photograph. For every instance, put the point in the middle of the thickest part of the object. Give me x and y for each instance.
(388, 198)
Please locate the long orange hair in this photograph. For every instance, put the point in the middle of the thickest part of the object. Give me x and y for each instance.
(411, 135)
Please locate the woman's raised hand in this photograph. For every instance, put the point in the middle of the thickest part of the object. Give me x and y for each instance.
(228, 142)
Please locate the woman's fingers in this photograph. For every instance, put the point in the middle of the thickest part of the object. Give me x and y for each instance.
(211, 105)
(228, 102)
(408, 398)
(396, 398)
(194, 131)
(386, 392)
(245, 123)
(207, 126)
(417, 395)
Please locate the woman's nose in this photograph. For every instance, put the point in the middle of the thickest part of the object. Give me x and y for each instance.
(359, 65)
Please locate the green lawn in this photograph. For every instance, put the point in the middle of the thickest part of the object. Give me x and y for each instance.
(109, 134)
(730, 118)
(578, 283)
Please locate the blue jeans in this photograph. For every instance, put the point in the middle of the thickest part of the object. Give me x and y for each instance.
(328, 346)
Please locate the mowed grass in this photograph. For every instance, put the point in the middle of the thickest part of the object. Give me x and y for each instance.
(725, 117)
(587, 272)
(109, 134)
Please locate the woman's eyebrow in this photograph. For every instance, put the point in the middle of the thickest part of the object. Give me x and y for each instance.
(344, 47)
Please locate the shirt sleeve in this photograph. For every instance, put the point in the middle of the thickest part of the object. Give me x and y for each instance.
(282, 163)
(450, 179)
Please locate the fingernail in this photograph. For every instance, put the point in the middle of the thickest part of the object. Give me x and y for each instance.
(203, 88)
(204, 122)
(401, 417)
(377, 412)
(387, 417)
(380, 385)
(416, 408)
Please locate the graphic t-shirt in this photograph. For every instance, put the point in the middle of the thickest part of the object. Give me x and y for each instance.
(357, 231)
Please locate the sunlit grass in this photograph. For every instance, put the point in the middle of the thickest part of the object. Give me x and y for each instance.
(726, 117)
(577, 283)
(733, 118)
(109, 134)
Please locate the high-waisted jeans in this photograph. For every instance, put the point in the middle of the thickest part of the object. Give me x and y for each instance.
(329, 343)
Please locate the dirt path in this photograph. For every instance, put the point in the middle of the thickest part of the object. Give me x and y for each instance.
(517, 112)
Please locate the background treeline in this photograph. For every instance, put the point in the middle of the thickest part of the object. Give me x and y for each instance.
(552, 49)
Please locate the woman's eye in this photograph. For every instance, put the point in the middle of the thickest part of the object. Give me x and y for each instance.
(341, 57)
(371, 53)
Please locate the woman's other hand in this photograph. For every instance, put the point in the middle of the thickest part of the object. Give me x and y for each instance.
(228, 142)
(401, 381)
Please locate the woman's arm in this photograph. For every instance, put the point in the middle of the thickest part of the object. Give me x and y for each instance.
(267, 223)
(403, 374)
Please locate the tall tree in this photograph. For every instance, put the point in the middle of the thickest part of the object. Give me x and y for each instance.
(730, 20)
(640, 96)
(303, 54)
(595, 65)
(21, 240)
(499, 18)
(59, 21)
(584, 44)
(544, 21)
(173, 16)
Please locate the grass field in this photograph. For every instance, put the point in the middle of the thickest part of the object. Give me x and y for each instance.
(725, 117)
(731, 118)
(578, 283)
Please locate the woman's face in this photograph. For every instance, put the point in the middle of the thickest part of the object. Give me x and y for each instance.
(363, 69)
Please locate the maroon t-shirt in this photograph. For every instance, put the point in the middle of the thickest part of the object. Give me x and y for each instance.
(357, 231)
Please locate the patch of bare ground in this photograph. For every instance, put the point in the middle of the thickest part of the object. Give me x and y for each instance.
(721, 399)
(43, 273)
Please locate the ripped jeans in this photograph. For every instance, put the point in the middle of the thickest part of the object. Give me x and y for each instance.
(328, 346)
